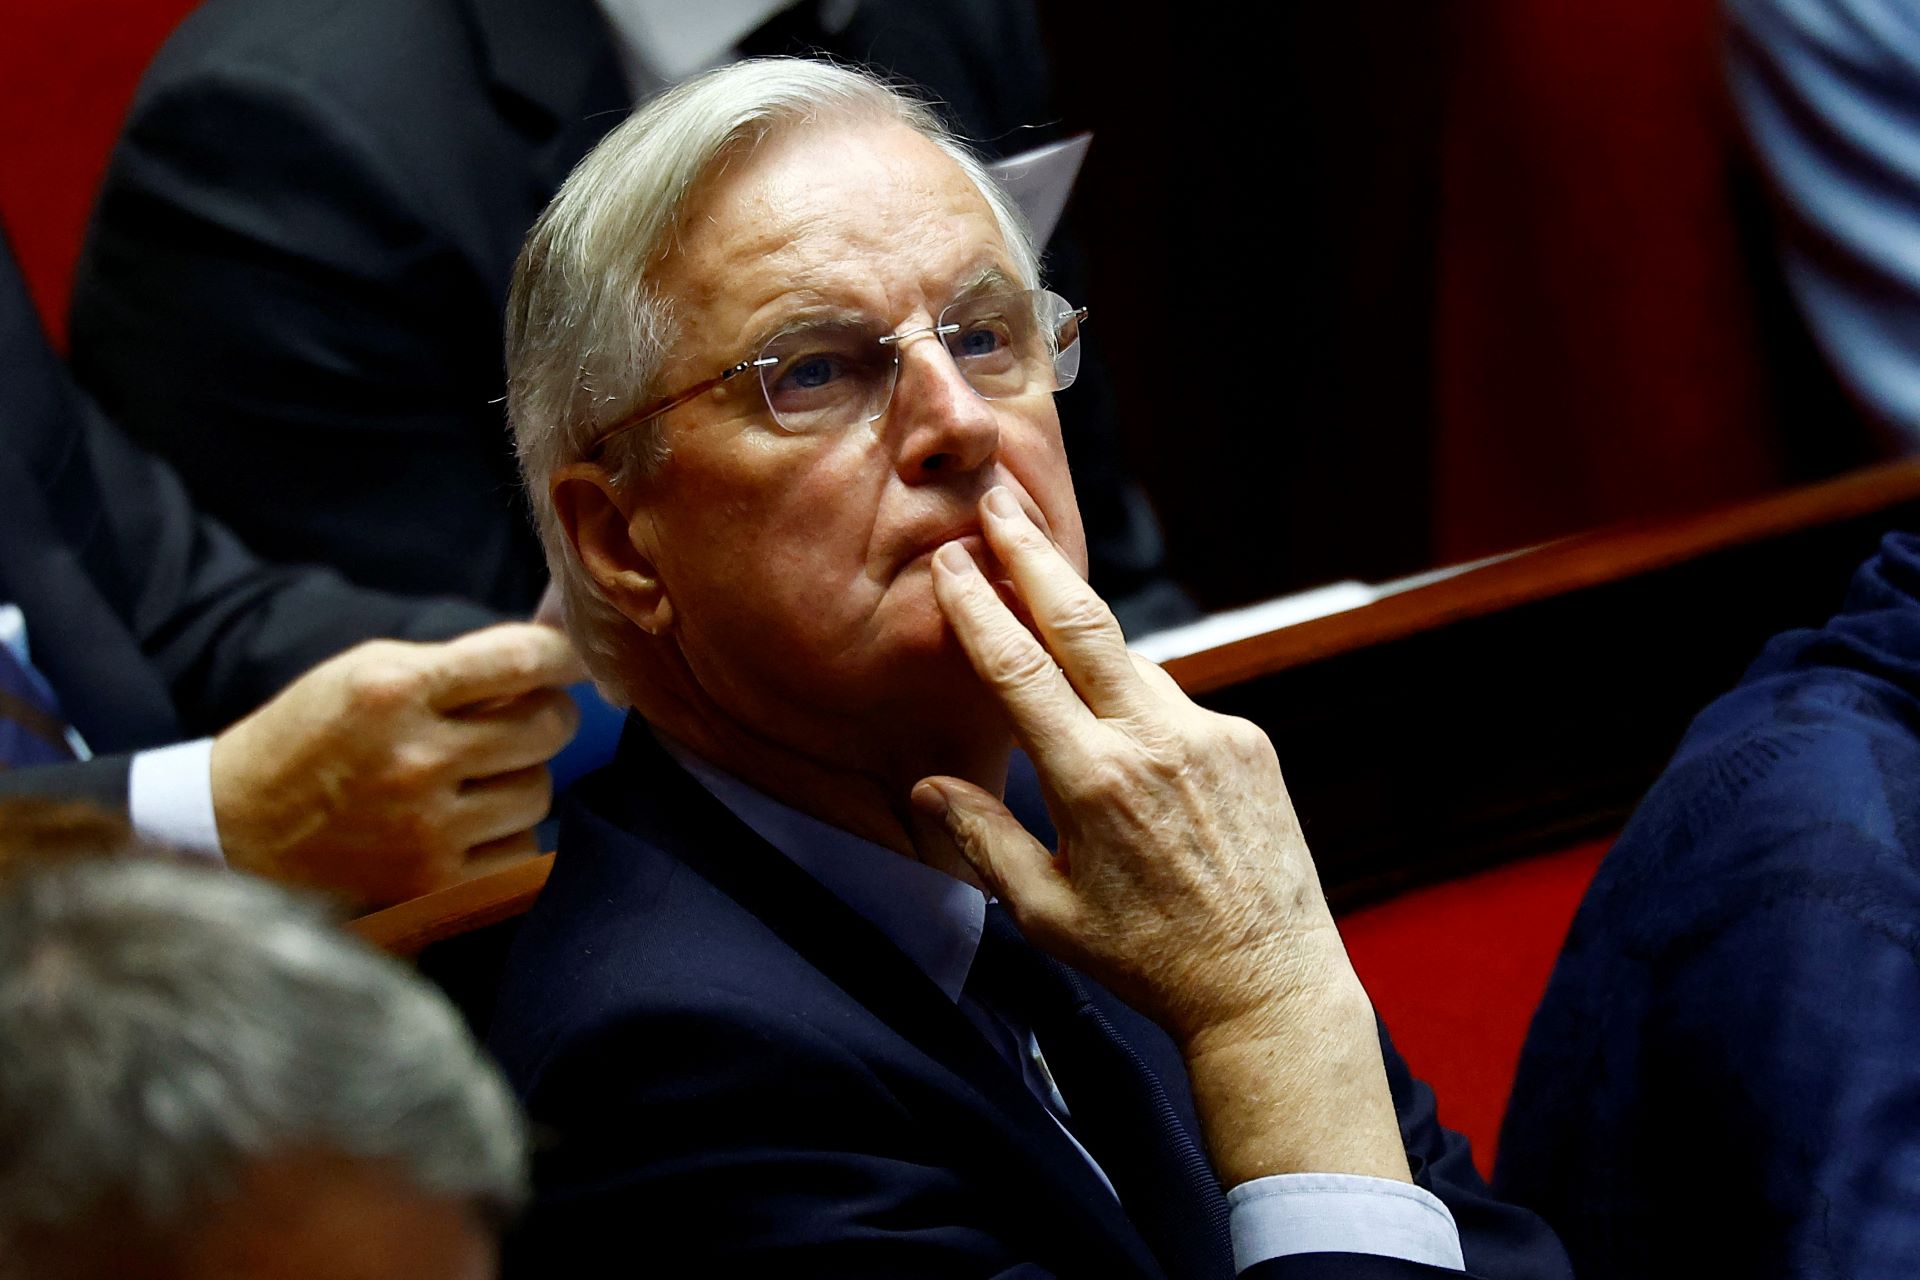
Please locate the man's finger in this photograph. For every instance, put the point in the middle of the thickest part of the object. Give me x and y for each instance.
(933, 845)
(1009, 862)
(499, 855)
(1074, 622)
(505, 736)
(502, 661)
(504, 805)
(1048, 716)
(1155, 676)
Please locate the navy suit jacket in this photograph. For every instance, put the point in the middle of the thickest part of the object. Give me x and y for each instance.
(1723, 1076)
(151, 622)
(731, 1071)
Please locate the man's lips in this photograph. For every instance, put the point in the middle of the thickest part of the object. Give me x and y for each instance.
(975, 542)
(968, 536)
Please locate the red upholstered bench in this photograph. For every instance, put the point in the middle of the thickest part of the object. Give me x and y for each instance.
(1456, 970)
(67, 72)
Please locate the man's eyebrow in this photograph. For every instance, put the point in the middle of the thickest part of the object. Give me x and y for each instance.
(806, 316)
(989, 279)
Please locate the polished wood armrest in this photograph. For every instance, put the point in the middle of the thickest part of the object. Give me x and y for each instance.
(408, 928)
(1557, 568)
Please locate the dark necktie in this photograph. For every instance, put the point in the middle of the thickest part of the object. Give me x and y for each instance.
(1120, 1109)
(32, 730)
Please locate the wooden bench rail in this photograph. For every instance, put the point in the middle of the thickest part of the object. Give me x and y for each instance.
(410, 927)
(1553, 569)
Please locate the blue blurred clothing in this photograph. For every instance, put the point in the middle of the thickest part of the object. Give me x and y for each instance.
(1720, 1077)
(1829, 94)
(32, 730)
(593, 743)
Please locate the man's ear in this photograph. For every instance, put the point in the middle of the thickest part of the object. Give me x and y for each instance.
(600, 521)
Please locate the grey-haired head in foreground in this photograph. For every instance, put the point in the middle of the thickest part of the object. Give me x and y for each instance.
(162, 1027)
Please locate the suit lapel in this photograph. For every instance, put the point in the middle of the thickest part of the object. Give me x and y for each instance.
(695, 828)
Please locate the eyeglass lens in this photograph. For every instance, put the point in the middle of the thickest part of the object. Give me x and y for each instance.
(828, 376)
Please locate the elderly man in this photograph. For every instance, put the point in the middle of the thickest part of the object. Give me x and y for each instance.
(781, 378)
(203, 1078)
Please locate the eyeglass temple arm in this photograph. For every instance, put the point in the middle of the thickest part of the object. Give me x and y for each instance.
(640, 417)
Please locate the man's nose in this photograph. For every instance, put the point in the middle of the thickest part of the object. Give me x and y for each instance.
(943, 423)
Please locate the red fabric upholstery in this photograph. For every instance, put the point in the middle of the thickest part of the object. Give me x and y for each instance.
(1598, 353)
(1457, 969)
(67, 72)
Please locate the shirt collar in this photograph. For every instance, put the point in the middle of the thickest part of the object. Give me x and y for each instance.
(932, 917)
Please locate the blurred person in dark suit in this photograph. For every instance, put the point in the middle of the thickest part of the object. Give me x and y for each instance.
(771, 465)
(204, 1078)
(295, 276)
(149, 662)
(1718, 1079)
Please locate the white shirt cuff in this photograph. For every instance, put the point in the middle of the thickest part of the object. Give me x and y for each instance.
(1293, 1213)
(170, 797)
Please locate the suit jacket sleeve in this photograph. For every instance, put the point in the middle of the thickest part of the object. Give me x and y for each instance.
(1497, 1239)
(225, 630)
(1763, 1011)
(1786, 1042)
(101, 781)
(263, 303)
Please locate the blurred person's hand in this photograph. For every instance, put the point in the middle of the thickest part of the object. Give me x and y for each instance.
(1182, 880)
(395, 768)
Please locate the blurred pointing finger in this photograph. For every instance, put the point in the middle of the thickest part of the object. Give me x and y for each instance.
(503, 661)
(494, 808)
(515, 734)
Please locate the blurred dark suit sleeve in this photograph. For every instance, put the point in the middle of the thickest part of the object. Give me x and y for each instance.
(151, 621)
(253, 331)
(294, 280)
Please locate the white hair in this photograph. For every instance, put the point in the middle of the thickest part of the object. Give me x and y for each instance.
(161, 1026)
(586, 332)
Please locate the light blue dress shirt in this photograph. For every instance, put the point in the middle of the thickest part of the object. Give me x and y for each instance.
(936, 921)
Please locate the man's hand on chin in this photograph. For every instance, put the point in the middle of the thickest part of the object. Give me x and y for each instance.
(395, 768)
(1182, 879)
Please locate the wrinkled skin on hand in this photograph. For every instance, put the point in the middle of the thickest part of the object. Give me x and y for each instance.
(1182, 880)
(395, 768)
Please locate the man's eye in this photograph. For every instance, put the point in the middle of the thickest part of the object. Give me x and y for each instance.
(980, 340)
(810, 373)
